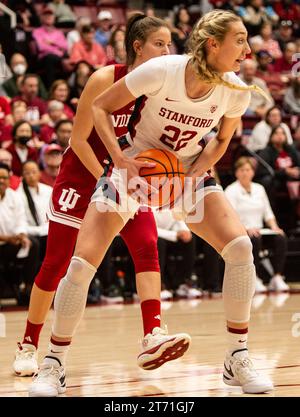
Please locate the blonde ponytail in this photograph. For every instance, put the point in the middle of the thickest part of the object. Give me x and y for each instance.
(214, 24)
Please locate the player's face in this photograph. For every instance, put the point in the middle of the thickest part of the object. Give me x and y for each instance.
(233, 50)
(157, 44)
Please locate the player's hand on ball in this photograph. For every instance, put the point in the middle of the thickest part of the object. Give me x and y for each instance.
(131, 169)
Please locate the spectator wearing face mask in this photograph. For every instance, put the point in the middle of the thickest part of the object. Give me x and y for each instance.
(20, 150)
(19, 66)
(18, 112)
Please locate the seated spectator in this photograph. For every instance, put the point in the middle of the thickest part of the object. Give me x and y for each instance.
(116, 45)
(275, 83)
(256, 14)
(262, 130)
(88, 50)
(78, 79)
(5, 114)
(36, 197)
(265, 41)
(18, 112)
(296, 137)
(60, 91)
(258, 104)
(181, 29)
(287, 9)
(251, 203)
(21, 151)
(5, 73)
(175, 238)
(103, 32)
(74, 35)
(51, 45)
(36, 107)
(15, 245)
(6, 158)
(291, 101)
(56, 113)
(52, 161)
(19, 66)
(63, 13)
(285, 64)
(284, 34)
(63, 130)
(282, 166)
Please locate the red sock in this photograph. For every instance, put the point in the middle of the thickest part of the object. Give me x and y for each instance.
(151, 315)
(32, 333)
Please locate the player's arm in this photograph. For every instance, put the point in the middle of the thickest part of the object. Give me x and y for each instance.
(114, 98)
(83, 121)
(146, 79)
(216, 148)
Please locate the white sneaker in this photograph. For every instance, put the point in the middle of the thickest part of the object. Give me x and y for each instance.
(239, 371)
(194, 293)
(25, 363)
(259, 286)
(277, 284)
(182, 291)
(185, 291)
(50, 380)
(166, 295)
(159, 347)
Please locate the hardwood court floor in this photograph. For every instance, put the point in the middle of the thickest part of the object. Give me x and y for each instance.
(102, 361)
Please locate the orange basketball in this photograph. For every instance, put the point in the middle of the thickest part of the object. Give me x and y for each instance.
(167, 176)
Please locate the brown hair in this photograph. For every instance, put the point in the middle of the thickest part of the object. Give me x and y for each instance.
(54, 86)
(243, 161)
(139, 27)
(214, 24)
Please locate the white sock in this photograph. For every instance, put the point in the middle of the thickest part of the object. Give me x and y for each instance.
(56, 352)
(237, 341)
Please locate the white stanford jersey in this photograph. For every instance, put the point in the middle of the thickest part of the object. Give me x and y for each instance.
(165, 117)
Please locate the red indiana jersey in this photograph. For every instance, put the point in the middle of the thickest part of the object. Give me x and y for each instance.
(74, 184)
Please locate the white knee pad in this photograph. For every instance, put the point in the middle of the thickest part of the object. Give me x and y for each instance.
(71, 296)
(239, 279)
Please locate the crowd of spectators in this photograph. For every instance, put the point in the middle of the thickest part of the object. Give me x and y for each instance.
(56, 51)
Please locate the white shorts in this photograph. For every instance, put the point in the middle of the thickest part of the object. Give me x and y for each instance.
(111, 195)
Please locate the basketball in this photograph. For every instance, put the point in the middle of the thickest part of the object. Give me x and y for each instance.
(167, 176)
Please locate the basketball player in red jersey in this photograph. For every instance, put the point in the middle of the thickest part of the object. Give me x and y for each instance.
(82, 165)
(180, 99)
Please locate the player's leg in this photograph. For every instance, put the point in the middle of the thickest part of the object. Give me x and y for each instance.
(95, 236)
(222, 229)
(60, 246)
(140, 235)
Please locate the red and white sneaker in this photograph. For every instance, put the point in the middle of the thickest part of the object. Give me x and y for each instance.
(159, 348)
(25, 363)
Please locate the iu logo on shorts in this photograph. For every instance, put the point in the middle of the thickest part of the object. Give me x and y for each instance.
(68, 199)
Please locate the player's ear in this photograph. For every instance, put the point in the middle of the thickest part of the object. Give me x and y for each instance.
(137, 46)
(212, 44)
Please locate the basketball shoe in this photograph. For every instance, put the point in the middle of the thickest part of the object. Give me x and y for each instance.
(159, 347)
(25, 363)
(239, 371)
(50, 380)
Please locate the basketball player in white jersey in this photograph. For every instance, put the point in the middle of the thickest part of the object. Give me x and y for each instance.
(181, 98)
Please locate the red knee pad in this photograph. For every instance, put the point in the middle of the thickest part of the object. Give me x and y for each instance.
(140, 236)
(60, 247)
